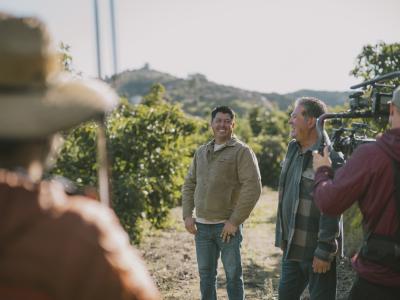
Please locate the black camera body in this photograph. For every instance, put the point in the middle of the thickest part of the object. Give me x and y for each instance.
(371, 102)
(377, 102)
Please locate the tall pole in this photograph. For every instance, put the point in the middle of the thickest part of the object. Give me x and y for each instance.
(98, 48)
(102, 156)
(103, 171)
(114, 37)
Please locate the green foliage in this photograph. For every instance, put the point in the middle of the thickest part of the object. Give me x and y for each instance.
(155, 96)
(151, 147)
(270, 154)
(76, 160)
(243, 130)
(255, 120)
(352, 227)
(151, 158)
(271, 133)
(375, 60)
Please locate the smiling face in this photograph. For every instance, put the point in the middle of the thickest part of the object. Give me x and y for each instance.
(222, 126)
(302, 127)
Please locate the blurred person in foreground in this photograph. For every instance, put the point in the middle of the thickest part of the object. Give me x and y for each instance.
(223, 184)
(370, 177)
(52, 245)
(307, 238)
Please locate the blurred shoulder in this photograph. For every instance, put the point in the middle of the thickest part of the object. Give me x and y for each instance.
(85, 217)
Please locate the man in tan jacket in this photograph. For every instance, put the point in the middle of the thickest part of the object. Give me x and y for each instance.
(52, 245)
(223, 185)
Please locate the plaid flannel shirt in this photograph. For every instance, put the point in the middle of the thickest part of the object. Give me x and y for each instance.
(310, 233)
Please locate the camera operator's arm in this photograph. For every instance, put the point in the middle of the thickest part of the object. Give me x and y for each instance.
(333, 194)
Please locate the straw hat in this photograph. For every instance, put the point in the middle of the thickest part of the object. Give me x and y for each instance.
(36, 98)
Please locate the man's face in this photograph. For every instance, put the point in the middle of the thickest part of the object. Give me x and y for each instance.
(222, 126)
(299, 125)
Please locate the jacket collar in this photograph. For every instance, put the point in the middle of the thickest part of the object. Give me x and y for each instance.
(232, 142)
(309, 149)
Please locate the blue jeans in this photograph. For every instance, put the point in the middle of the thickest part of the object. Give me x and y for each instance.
(296, 275)
(209, 246)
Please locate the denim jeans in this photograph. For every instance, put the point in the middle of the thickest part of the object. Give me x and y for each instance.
(209, 246)
(295, 276)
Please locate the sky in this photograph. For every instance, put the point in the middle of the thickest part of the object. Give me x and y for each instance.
(261, 45)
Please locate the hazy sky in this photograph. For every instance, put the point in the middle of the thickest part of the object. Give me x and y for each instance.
(263, 45)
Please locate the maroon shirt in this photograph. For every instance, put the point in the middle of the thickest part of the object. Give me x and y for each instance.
(65, 247)
(367, 178)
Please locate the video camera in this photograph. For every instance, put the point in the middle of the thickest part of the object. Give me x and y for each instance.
(371, 102)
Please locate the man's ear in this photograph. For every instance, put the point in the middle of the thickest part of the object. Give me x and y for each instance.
(311, 122)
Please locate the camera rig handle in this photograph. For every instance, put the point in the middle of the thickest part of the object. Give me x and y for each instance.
(372, 81)
(323, 138)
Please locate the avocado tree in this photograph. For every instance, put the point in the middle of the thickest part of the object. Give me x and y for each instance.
(151, 146)
(271, 135)
(375, 60)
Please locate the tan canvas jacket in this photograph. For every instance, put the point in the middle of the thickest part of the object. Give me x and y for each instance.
(224, 184)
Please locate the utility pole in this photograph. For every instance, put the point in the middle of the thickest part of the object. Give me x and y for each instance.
(102, 155)
(98, 47)
(114, 37)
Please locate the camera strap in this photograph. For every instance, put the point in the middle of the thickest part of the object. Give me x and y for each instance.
(379, 248)
(396, 185)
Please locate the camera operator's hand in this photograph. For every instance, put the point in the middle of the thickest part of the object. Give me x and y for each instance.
(319, 160)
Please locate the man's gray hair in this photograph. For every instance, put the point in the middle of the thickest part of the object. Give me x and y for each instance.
(313, 107)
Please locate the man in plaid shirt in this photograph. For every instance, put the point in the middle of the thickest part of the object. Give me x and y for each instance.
(306, 237)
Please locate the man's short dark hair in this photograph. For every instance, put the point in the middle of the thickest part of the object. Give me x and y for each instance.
(222, 109)
(313, 107)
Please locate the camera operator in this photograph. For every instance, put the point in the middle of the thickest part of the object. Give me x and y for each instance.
(370, 177)
(53, 245)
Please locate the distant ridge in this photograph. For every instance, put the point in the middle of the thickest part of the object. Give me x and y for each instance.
(197, 94)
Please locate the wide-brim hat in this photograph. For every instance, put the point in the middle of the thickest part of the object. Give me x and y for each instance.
(36, 98)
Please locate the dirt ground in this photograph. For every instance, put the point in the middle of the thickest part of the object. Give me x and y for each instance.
(171, 258)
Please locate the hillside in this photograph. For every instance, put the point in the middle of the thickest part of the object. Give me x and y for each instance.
(198, 95)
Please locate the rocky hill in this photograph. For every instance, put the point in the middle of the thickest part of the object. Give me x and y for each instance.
(198, 95)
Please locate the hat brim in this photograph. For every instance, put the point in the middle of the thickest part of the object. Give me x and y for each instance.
(65, 103)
